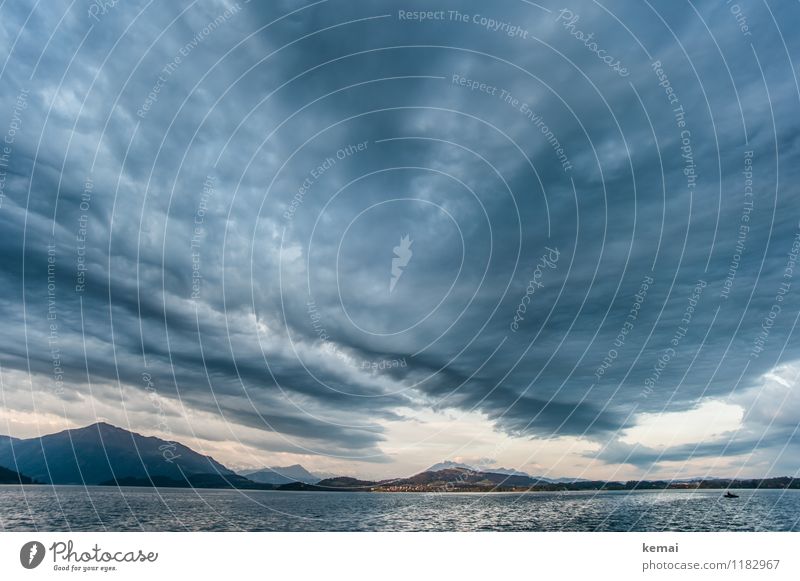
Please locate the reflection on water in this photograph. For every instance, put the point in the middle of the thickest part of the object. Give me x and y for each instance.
(77, 508)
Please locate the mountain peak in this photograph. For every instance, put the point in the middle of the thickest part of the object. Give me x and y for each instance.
(450, 465)
(283, 475)
(103, 427)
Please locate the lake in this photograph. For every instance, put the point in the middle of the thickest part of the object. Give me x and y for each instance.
(94, 508)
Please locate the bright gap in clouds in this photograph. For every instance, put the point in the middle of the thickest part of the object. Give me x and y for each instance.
(710, 420)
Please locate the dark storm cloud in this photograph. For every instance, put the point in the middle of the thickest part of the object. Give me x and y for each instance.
(293, 327)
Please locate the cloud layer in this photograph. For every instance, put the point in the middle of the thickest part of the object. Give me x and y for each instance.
(601, 203)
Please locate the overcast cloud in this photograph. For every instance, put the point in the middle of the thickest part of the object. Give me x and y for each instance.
(212, 194)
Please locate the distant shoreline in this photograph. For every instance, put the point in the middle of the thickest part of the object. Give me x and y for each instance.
(133, 460)
(380, 490)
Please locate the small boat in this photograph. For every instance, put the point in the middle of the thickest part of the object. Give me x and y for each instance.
(729, 494)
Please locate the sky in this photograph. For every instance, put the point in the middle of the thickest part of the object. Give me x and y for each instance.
(371, 236)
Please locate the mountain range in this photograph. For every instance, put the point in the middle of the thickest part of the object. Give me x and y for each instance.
(448, 464)
(107, 455)
(102, 454)
(278, 475)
